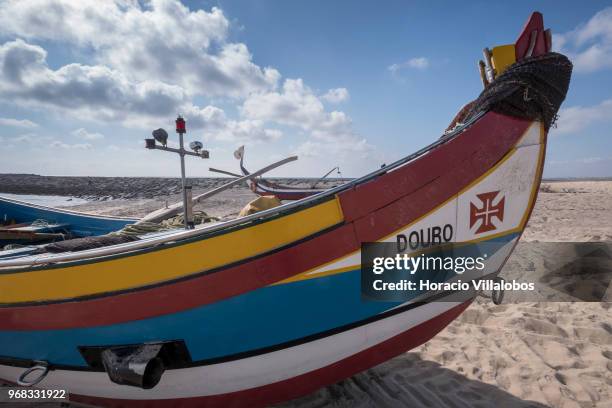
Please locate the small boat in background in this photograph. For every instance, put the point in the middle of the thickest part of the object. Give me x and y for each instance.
(263, 187)
(24, 223)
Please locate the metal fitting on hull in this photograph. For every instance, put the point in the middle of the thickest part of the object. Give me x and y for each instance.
(138, 366)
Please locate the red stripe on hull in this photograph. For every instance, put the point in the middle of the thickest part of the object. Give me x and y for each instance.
(305, 383)
(377, 224)
(183, 295)
(483, 144)
(472, 153)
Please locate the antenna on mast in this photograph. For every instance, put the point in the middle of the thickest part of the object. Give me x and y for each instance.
(161, 136)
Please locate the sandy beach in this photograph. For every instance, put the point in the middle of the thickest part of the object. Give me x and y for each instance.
(527, 354)
(535, 354)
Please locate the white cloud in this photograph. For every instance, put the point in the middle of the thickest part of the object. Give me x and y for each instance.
(577, 118)
(352, 149)
(589, 46)
(149, 60)
(243, 131)
(162, 39)
(336, 95)
(100, 93)
(81, 133)
(62, 145)
(580, 160)
(93, 91)
(22, 123)
(590, 160)
(25, 138)
(296, 105)
(331, 133)
(217, 126)
(419, 63)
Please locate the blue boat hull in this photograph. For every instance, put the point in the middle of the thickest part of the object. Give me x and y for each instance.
(268, 316)
(78, 224)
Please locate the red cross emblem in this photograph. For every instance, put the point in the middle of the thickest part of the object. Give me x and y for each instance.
(486, 213)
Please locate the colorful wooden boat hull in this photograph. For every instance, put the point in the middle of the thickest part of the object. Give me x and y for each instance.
(79, 224)
(270, 309)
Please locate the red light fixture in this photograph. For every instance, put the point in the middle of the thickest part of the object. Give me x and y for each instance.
(180, 125)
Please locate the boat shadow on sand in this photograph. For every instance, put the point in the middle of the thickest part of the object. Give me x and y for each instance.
(409, 381)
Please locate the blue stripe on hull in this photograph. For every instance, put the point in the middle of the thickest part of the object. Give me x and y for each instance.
(254, 320)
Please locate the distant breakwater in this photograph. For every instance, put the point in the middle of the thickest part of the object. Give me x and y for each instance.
(108, 188)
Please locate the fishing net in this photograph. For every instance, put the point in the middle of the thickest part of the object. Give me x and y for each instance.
(176, 222)
(530, 89)
(129, 233)
(533, 88)
(81, 244)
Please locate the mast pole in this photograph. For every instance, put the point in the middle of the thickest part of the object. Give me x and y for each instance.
(181, 130)
(183, 181)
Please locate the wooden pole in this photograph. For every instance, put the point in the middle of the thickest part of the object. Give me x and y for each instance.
(229, 173)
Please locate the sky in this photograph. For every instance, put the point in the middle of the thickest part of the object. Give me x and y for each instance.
(339, 83)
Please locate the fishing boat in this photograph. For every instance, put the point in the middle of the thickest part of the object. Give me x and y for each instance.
(264, 187)
(267, 307)
(22, 222)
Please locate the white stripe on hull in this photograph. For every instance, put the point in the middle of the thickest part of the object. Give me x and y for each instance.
(247, 372)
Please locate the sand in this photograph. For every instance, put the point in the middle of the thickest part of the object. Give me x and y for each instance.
(523, 355)
(527, 354)
(575, 211)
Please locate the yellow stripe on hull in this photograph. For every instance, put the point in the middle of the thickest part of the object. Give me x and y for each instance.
(166, 264)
